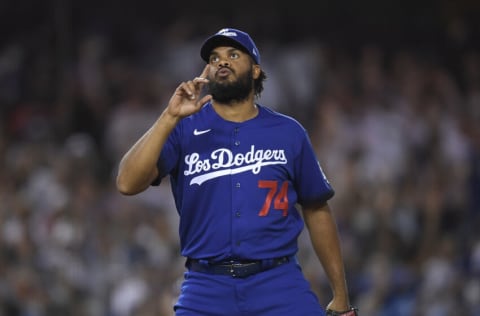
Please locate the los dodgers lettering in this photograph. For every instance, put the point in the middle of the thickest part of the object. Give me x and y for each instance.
(223, 162)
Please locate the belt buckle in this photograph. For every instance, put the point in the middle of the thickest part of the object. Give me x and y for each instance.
(233, 266)
(240, 270)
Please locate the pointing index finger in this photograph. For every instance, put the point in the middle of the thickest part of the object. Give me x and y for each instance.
(202, 78)
(204, 73)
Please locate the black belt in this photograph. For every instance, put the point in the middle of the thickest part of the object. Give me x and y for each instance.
(236, 268)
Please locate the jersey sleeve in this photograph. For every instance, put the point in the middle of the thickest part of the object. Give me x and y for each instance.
(310, 181)
(168, 159)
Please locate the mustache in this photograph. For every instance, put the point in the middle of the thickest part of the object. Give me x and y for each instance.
(223, 67)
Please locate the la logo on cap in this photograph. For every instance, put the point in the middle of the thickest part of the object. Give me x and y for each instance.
(226, 32)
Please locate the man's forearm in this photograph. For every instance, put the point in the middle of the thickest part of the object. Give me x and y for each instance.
(324, 236)
(137, 169)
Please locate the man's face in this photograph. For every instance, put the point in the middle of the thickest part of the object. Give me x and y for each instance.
(231, 77)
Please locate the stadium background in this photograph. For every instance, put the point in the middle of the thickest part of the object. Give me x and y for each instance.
(388, 90)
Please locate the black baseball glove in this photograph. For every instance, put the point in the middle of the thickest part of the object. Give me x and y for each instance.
(350, 312)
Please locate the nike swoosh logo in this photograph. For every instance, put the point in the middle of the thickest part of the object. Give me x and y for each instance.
(197, 132)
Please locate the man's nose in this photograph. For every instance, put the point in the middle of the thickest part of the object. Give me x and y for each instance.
(223, 62)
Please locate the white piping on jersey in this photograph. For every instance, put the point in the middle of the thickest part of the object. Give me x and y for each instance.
(224, 159)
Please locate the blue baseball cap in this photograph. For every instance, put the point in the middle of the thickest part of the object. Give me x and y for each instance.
(230, 37)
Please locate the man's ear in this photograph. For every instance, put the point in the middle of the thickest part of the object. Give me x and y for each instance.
(256, 71)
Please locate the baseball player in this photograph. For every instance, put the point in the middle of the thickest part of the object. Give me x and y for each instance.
(237, 172)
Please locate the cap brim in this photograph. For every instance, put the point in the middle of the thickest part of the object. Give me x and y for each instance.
(216, 41)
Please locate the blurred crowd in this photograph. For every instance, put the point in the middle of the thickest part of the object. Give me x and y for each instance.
(397, 132)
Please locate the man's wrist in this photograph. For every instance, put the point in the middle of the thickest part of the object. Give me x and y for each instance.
(353, 311)
(168, 118)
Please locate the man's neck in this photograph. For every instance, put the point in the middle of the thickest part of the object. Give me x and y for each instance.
(236, 111)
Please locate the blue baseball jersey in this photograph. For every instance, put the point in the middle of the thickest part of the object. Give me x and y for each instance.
(236, 185)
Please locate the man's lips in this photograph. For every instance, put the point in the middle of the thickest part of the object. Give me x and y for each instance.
(223, 72)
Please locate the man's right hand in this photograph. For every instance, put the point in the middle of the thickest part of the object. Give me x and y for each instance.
(186, 99)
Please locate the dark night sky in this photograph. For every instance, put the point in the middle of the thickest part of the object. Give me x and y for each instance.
(345, 21)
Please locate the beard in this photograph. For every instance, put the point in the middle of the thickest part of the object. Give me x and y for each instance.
(229, 92)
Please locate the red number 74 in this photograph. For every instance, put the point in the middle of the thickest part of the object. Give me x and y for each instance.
(280, 200)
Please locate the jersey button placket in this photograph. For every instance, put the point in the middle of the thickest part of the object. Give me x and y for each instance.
(237, 196)
(235, 134)
(237, 225)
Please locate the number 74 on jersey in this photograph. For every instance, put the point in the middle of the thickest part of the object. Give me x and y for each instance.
(278, 197)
